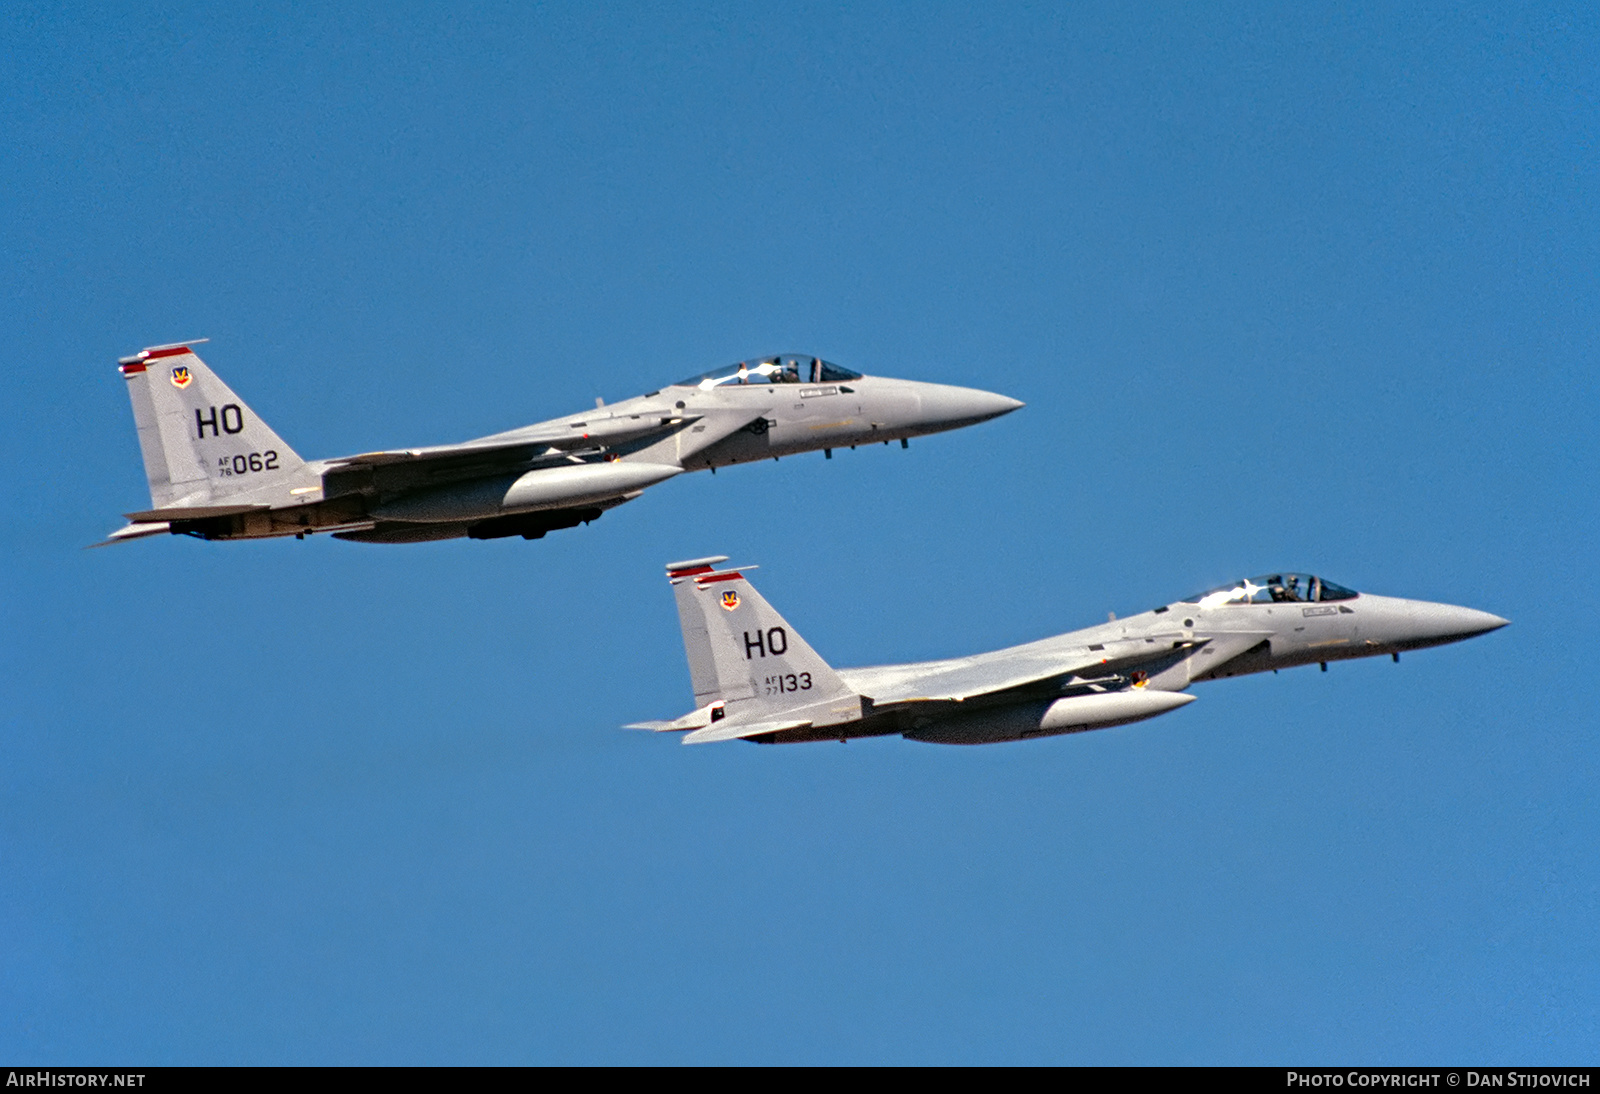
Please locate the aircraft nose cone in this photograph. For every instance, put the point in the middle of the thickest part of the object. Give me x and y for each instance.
(1450, 623)
(948, 407)
(1480, 622)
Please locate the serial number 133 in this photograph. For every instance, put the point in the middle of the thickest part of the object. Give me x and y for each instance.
(789, 682)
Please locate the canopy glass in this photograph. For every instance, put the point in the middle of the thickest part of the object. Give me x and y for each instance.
(1273, 589)
(783, 369)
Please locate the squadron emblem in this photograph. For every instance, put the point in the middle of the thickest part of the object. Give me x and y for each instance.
(730, 600)
(181, 377)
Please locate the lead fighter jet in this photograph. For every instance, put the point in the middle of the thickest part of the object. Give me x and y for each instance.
(217, 471)
(755, 678)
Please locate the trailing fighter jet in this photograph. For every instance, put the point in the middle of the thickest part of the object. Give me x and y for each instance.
(217, 471)
(756, 679)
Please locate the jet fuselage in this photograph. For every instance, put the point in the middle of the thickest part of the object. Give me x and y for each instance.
(218, 472)
(756, 679)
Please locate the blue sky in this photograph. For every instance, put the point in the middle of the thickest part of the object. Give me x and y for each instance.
(1311, 290)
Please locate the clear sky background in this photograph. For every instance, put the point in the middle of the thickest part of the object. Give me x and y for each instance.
(1310, 289)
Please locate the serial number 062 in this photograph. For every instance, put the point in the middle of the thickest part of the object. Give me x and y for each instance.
(243, 465)
(788, 682)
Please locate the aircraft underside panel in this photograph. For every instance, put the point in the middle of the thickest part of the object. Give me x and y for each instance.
(396, 532)
(263, 523)
(750, 445)
(527, 525)
(1073, 714)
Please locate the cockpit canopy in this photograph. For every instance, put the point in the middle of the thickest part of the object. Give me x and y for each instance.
(1273, 589)
(783, 369)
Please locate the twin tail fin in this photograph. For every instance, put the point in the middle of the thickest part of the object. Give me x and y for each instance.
(202, 445)
(751, 670)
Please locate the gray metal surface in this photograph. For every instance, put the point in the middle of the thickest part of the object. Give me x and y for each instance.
(217, 471)
(755, 678)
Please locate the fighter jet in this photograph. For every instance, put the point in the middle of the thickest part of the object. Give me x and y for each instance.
(217, 471)
(756, 679)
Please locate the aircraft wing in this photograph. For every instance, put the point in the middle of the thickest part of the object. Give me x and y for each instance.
(193, 512)
(534, 441)
(507, 451)
(1044, 668)
(503, 453)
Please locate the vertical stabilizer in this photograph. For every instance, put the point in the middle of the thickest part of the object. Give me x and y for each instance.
(746, 656)
(201, 443)
(696, 638)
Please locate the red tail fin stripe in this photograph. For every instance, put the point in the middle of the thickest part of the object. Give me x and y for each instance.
(132, 367)
(690, 572)
(175, 351)
(732, 575)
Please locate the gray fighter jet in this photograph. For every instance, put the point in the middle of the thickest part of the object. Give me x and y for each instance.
(756, 679)
(217, 471)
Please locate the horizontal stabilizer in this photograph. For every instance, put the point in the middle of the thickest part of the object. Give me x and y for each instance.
(135, 531)
(722, 731)
(695, 719)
